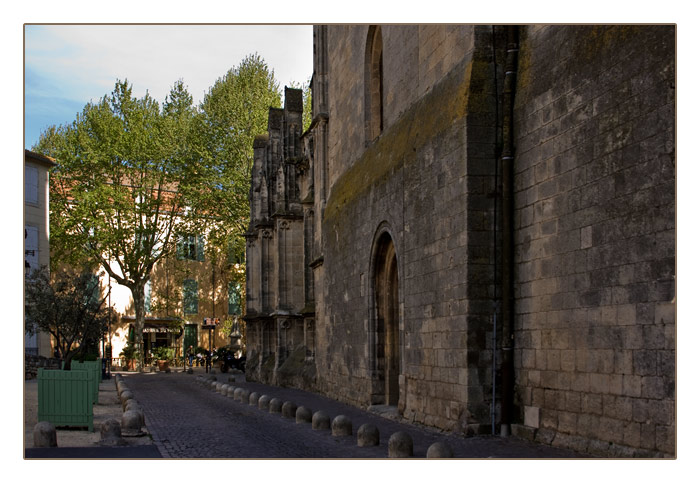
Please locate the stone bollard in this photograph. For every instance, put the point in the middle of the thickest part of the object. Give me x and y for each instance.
(45, 435)
(132, 421)
(439, 450)
(367, 435)
(132, 404)
(230, 391)
(253, 398)
(217, 386)
(212, 385)
(245, 396)
(320, 421)
(264, 402)
(289, 410)
(231, 378)
(126, 395)
(303, 415)
(237, 394)
(121, 387)
(400, 445)
(275, 405)
(223, 389)
(111, 432)
(341, 426)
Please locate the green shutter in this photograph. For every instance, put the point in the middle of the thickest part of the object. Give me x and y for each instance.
(234, 299)
(191, 297)
(147, 297)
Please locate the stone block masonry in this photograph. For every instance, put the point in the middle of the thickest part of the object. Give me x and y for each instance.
(379, 256)
(595, 203)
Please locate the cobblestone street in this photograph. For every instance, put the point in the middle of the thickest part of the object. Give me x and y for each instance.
(188, 420)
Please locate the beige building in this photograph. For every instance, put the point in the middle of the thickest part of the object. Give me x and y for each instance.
(36, 231)
(184, 290)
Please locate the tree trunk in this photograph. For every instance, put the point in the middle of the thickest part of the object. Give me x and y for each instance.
(140, 313)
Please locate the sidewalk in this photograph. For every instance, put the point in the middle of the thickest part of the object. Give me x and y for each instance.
(482, 446)
(81, 443)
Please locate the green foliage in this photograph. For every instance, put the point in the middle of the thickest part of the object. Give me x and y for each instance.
(232, 113)
(129, 352)
(126, 173)
(226, 326)
(133, 173)
(306, 97)
(163, 353)
(70, 307)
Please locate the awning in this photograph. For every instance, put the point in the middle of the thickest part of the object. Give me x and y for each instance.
(165, 325)
(158, 328)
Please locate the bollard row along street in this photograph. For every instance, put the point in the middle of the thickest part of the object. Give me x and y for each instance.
(206, 415)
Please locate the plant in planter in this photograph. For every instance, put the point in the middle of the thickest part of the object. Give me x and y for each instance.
(164, 355)
(130, 356)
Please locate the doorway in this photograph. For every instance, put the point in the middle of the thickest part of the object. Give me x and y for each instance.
(385, 332)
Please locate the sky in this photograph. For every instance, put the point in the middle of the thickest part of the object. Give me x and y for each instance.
(67, 66)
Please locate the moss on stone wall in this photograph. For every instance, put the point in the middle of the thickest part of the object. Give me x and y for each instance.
(398, 144)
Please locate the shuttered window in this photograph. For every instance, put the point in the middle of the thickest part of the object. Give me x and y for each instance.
(31, 185)
(190, 296)
(190, 247)
(234, 299)
(147, 297)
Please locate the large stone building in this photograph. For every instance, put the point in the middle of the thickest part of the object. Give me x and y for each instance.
(477, 230)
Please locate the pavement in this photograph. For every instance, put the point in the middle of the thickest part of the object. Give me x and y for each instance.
(79, 442)
(186, 420)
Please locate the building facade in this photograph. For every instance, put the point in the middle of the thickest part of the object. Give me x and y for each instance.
(36, 232)
(185, 294)
(478, 230)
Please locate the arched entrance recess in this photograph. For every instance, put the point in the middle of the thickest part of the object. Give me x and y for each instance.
(385, 346)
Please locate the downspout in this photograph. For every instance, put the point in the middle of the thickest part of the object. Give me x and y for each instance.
(507, 259)
(494, 330)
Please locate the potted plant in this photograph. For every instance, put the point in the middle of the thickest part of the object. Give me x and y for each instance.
(130, 355)
(163, 356)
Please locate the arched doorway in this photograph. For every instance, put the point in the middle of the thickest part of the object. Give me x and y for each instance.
(385, 333)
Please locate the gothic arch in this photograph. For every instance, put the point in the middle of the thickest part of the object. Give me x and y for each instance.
(385, 339)
(374, 84)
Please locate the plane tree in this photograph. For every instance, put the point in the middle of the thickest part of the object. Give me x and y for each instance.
(126, 180)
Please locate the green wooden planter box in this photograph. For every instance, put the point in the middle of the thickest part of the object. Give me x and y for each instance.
(95, 370)
(65, 397)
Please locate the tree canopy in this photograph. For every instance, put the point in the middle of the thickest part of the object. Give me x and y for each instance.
(68, 307)
(232, 113)
(132, 174)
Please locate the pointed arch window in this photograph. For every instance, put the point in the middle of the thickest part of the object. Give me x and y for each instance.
(374, 85)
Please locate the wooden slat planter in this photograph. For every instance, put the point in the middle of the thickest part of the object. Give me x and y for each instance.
(95, 370)
(65, 398)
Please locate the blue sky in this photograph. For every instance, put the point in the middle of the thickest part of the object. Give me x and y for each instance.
(67, 66)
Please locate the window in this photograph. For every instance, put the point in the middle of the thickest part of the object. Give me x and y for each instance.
(234, 298)
(190, 296)
(374, 85)
(190, 247)
(31, 185)
(147, 297)
(94, 289)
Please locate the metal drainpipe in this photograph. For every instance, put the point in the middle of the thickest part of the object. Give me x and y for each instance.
(495, 238)
(507, 259)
